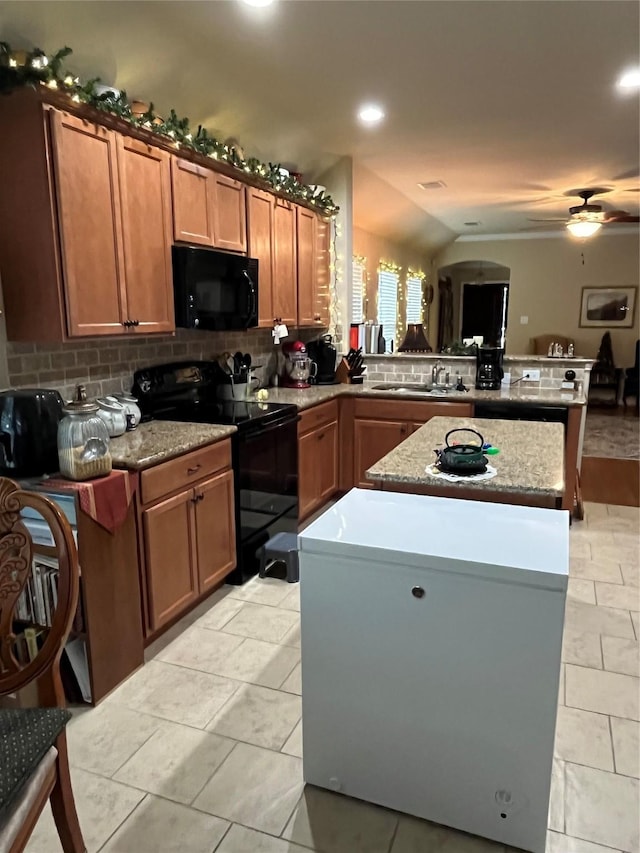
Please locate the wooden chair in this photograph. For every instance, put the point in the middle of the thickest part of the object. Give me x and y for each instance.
(541, 343)
(33, 746)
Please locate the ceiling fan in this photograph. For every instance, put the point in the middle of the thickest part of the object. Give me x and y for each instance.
(586, 219)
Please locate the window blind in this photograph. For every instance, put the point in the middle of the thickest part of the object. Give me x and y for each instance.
(388, 306)
(357, 292)
(414, 300)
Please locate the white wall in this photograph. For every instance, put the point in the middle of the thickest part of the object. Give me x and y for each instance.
(547, 277)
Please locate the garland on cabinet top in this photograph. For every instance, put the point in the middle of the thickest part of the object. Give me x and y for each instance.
(29, 68)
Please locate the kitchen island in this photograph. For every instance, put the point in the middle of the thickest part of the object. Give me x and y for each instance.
(530, 465)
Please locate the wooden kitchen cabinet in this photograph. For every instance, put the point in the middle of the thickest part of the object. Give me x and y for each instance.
(146, 232)
(215, 529)
(95, 205)
(208, 208)
(229, 214)
(318, 457)
(172, 581)
(313, 268)
(381, 424)
(306, 260)
(322, 295)
(371, 441)
(193, 202)
(89, 218)
(187, 516)
(260, 206)
(285, 298)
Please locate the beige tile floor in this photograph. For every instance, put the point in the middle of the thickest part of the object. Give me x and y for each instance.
(200, 751)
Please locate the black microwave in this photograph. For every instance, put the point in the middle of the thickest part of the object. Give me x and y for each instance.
(214, 290)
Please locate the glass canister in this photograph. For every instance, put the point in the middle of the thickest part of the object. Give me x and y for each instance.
(83, 440)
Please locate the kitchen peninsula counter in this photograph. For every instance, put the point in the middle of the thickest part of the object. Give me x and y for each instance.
(530, 464)
(158, 441)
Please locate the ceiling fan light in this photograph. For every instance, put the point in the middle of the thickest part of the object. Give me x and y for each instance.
(583, 228)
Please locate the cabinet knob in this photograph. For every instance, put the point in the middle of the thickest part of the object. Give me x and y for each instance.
(320, 436)
(417, 592)
(194, 469)
(403, 429)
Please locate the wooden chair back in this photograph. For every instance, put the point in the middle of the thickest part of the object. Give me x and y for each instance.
(16, 559)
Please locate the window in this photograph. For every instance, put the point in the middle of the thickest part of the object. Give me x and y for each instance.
(358, 278)
(388, 306)
(414, 300)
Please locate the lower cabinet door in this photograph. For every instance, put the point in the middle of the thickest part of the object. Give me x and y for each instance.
(327, 444)
(170, 559)
(371, 441)
(215, 529)
(308, 469)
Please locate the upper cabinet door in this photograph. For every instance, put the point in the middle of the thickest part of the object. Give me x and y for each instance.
(260, 246)
(229, 214)
(145, 185)
(322, 307)
(192, 202)
(89, 216)
(285, 301)
(306, 260)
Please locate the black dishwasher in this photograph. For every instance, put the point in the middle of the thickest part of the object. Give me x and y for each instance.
(522, 412)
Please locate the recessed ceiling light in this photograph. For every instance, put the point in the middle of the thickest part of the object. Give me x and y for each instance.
(370, 114)
(432, 185)
(258, 2)
(630, 79)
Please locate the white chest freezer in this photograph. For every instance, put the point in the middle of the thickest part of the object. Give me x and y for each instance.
(431, 642)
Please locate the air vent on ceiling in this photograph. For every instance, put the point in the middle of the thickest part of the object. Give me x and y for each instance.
(432, 185)
(472, 223)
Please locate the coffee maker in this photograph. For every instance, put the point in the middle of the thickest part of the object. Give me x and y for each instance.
(489, 370)
(324, 354)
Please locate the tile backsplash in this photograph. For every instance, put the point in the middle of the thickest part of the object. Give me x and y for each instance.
(106, 365)
(417, 368)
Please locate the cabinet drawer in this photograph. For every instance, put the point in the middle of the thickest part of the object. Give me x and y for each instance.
(184, 470)
(325, 413)
(410, 410)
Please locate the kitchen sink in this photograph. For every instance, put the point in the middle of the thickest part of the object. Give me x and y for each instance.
(412, 388)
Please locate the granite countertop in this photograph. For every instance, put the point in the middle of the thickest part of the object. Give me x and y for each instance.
(158, 441)
(308, 397)
(531, 458)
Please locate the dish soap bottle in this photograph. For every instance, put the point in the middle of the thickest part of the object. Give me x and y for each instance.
(83, 440)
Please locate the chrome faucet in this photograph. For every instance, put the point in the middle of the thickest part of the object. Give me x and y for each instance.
(437, 369)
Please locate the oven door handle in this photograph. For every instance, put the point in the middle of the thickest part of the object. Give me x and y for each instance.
(261, 429)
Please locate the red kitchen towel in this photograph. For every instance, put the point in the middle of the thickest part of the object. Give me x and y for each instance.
(106, 499)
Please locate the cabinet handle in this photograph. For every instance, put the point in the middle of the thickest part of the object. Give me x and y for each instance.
(320, 436)
(403, 430)
(194, 470)
(135, 322)
(196, 498)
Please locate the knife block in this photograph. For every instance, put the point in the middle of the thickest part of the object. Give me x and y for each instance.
(342, 372)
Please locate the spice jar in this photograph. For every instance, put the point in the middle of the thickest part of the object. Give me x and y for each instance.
(83, 440)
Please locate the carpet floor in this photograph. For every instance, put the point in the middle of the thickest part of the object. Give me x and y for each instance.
(611, 436)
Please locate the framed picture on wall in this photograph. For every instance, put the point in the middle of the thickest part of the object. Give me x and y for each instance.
(608, 307)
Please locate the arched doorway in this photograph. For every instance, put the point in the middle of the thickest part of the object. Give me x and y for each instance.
(474, 297)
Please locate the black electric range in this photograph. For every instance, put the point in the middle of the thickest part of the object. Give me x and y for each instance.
(264, 449)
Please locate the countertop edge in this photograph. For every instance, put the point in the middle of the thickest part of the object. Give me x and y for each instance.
(154, 459)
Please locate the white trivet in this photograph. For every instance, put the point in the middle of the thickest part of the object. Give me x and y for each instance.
(489, 474)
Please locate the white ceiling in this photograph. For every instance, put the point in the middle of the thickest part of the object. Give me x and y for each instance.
(509, 103)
